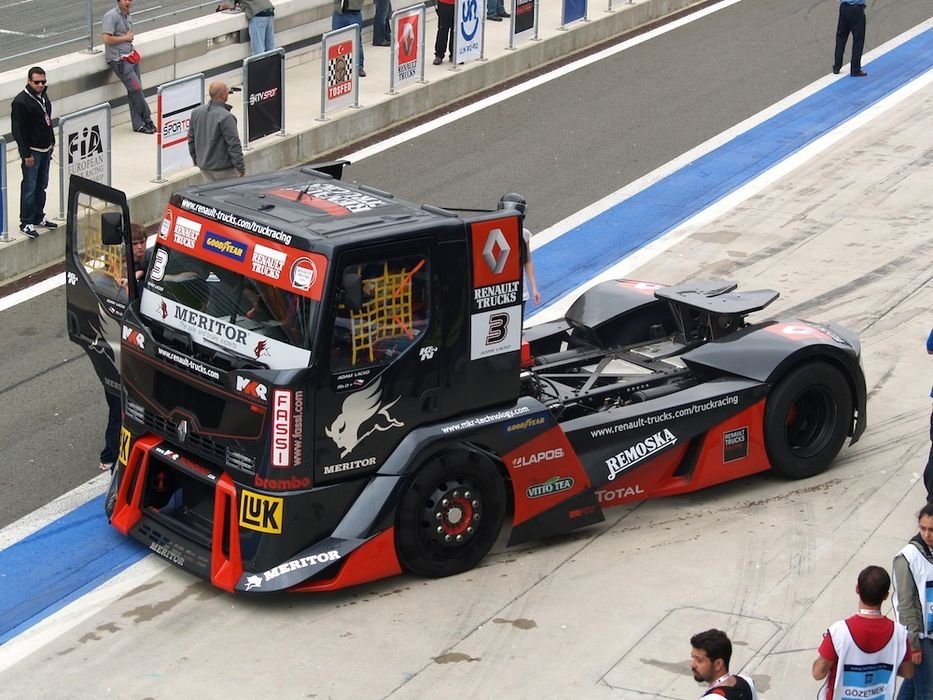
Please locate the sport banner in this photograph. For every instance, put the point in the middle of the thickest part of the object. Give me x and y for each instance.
(408, 50)
(468, 24)
(572, 11)
(339, 78)
(176, 101)
(523, 26)
(265, 107)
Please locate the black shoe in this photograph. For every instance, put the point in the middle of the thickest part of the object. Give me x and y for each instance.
(360, 72)
(835, 70)
(29, 230)
(45, 223)
(382, 43)
(145, 129)
(858, 74)
(505, 14)
(438, 60)
(494, 18)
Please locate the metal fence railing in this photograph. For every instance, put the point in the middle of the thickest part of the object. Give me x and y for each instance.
(42, 29)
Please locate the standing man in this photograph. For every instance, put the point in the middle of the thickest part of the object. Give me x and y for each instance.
(260, 18)
(382, 31)
(445, 31)
(495, 10)
(709, 660)
(851, 21)
(913, 605)
(213, 140)
(928, 471)
(31, 119)
(346, 13)
(123, 59)
(867, 646)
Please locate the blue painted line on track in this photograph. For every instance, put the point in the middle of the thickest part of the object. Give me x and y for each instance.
(58, 564)
(587, 250)
(61, 562)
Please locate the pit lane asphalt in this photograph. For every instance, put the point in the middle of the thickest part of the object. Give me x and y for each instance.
(769, 241)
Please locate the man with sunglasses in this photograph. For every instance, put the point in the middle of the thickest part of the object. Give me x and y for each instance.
(31, 120)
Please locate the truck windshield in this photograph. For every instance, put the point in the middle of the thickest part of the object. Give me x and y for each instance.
(224, 308)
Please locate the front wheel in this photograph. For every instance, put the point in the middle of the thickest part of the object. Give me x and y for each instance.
(807, 418)
(451, 515)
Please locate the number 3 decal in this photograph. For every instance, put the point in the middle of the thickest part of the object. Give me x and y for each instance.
(498, 328)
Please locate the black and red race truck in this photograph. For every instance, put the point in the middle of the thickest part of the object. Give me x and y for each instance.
(323, 385)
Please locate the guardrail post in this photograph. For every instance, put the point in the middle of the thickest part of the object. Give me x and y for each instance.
(4, 231)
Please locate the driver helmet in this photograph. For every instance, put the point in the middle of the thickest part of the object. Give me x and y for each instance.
(513, 200)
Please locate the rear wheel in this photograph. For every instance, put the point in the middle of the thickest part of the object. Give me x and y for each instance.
(807, 418)
(451, 515)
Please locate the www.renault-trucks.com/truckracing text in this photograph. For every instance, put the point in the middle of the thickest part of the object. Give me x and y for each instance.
(324, 385)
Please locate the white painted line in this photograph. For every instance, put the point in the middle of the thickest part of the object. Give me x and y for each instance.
(76, 612)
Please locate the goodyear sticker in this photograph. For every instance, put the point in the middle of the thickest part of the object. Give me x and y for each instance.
(126, 440)
(261, 513)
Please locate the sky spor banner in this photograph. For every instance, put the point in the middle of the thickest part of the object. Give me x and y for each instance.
(524, 21)
(175, 102)
(263, 94)
(468, 24)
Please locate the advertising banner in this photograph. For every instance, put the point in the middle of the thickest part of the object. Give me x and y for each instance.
(572, 11)
(263, 85)
(339, 81)
(175, 102)
(83, 148)
(408, 49)
(468, 26)
(524, 20)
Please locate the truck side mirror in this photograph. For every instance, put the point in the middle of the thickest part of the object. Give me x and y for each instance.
(111, 228)
(352, 295)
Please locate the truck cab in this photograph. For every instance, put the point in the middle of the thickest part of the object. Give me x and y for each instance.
(290, 331)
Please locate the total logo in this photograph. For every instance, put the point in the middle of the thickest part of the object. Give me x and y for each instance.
(610, 495)
(538, 457)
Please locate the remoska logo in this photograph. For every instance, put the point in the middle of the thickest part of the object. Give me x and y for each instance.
(555, 484)
(639, 451)
(281, 428)
(538, 457)
(290, 484)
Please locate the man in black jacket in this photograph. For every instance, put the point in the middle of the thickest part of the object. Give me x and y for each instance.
(31, 117)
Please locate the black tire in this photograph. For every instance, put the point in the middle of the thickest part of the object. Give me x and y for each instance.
(450, 515)
(807, 418)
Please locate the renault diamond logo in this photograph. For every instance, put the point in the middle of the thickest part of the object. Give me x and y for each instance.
(181, 430)
(496, 251)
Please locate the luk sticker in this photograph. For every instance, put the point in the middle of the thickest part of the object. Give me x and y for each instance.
(261, 513)
(735, 444)
(640, 451)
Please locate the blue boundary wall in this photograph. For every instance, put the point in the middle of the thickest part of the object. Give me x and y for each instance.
(61, 562)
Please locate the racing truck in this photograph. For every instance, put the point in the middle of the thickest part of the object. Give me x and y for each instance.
(324, 385)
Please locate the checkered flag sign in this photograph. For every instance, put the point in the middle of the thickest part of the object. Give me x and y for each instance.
(340, 67)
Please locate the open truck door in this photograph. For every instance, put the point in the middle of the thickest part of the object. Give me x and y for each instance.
(98, 284)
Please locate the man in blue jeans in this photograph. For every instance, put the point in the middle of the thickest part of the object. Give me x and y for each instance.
(346, 13)
(495, 10)
(851, 21)
(31, 122)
